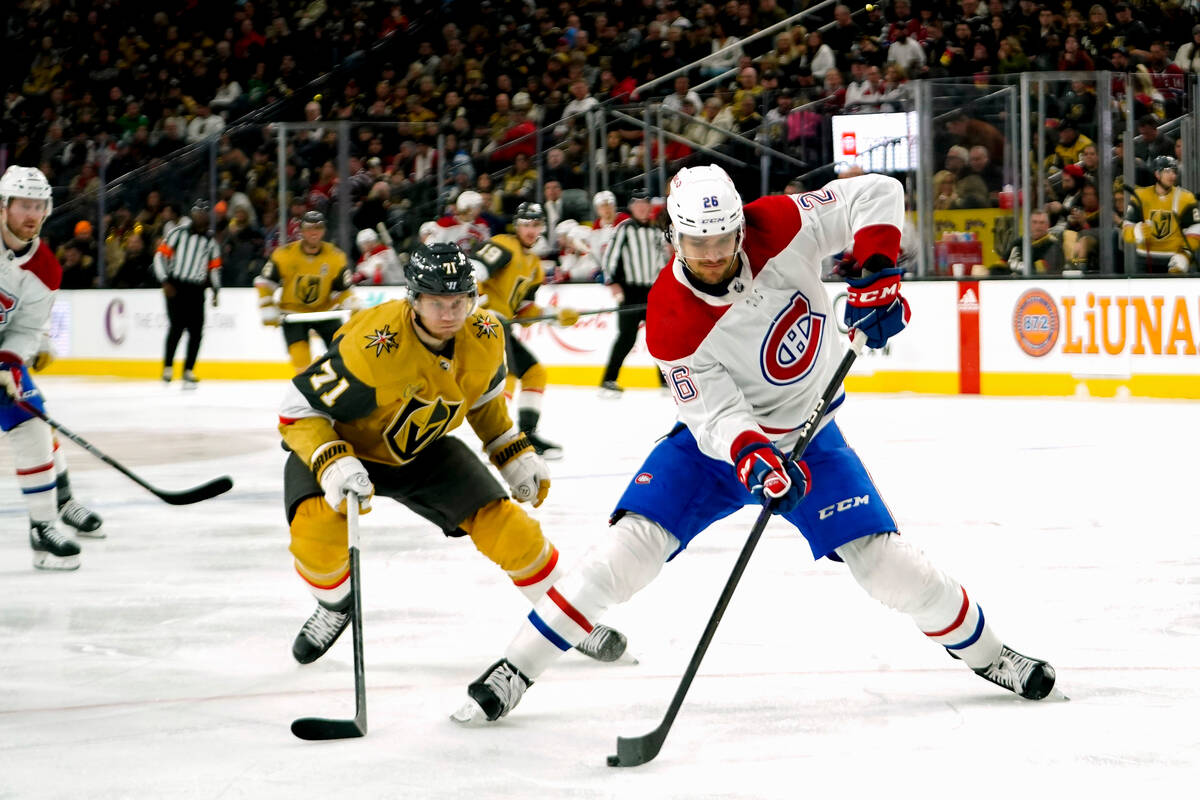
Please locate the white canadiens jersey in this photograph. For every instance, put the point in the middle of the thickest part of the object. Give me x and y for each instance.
(464, 234)
(27, 285)
(600, 237)
(758, 357)
(380, 266)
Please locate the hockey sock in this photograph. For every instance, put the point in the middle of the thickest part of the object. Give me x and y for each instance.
(62, 479)
(321, 551)
(901, 577)
(513, 540)
(33, 457)
(300, 355)
(610, 573)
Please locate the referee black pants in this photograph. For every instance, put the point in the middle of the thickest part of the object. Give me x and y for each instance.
(185, 312)
(627, 329)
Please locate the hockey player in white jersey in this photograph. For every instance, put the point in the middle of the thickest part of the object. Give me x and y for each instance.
(29, 276)
(465, 227)
(377, 264)
(742, 328)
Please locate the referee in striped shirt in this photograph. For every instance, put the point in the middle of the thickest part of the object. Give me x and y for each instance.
(186, 261)
(631, 264)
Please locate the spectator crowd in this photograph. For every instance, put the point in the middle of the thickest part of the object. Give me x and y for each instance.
(454, 97)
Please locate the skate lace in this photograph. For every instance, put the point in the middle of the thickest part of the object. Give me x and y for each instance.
(507, 685)
(50, 535)
(1011, 670)
(597, 641)
(74, 513)
(324, 625)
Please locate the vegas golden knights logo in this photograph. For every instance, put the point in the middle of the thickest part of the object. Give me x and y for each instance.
(1163, 222)
(308, 288)
(418, 423)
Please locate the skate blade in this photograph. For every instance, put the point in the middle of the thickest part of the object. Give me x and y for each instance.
(96, 534)
(470, 715)
(48, 561)
(1056, 695)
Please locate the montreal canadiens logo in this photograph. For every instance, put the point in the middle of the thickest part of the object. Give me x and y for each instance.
(643, 478)
(1035, 322)
(792, 343)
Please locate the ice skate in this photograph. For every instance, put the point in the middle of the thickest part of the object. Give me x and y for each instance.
(611, 390)
(496, 693)
(1031, 678)
(51, 549)
(166, 374)
(189, 379)
(319, 633)
(78, 516)
(603, 644)
(547, 450)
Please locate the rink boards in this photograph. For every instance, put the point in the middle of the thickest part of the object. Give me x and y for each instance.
(1104, 338)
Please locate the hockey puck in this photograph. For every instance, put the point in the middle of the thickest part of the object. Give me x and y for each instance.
(614, 761)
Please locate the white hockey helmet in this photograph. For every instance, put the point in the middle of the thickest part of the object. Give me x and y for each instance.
(365, 238)
(469, 201)
(427, 230)
(564, 228)
(704, 204)
(29, 183)
(604, 198)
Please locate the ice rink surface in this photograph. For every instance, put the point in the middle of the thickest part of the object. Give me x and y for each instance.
(162, 668)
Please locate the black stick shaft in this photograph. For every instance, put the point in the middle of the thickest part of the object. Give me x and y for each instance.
(637, 750)
(552, 317)
(319, 728)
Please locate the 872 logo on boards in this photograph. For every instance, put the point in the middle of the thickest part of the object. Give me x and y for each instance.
(1035, 322)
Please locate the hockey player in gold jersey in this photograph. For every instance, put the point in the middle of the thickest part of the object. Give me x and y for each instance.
(309, 275)
(513, 275)
(1163, 221)
(375, 412)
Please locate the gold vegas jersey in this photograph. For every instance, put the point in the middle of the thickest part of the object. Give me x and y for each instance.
(308, 283)
(1172, 218)
(514, 274)
(380, 389)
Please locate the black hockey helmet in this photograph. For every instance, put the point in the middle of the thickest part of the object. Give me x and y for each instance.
(312, 219)
(530, 212)
(439, 269)
(200, 206)
(1159, 163)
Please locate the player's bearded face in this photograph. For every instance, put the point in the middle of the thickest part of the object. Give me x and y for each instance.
(1168, 177)
(24, 217)
(712, 259)
(443, 315)
(528, 232)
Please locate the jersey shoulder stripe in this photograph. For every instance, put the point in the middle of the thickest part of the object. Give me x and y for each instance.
(45, 266)
(772, 222)
(677, 321)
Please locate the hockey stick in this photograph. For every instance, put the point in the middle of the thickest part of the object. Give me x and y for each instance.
(636, 750)
(315, 316)
(553, 317)
(318, 728)
(186, 497)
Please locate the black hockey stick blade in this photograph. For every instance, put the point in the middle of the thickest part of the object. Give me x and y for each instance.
(637, 750)
(316, 729)
(633, 751)
(196, 494)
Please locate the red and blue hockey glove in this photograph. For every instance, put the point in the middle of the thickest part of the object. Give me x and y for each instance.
(875, 307)
(11, 377)
(770, 475)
